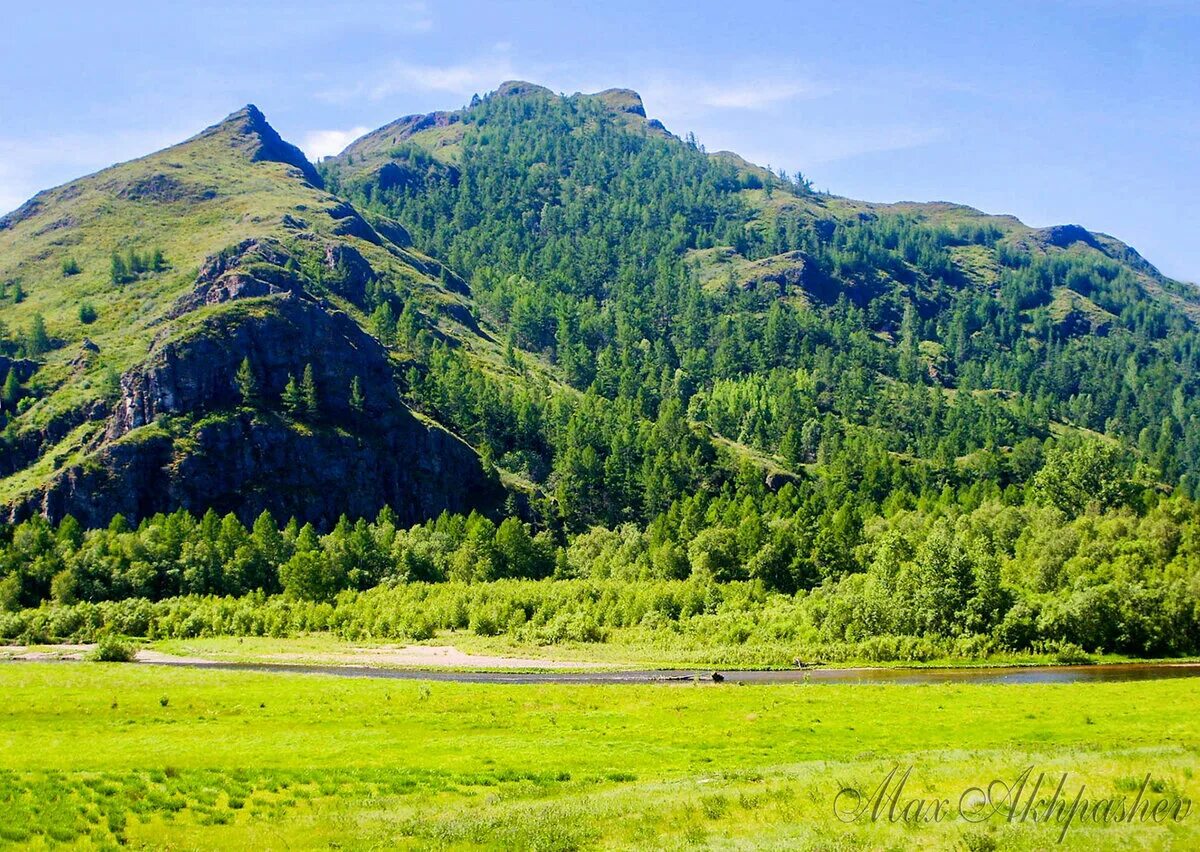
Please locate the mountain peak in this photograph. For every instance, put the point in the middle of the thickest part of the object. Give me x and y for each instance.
(519, 88)
(622, 100)
(248, 130)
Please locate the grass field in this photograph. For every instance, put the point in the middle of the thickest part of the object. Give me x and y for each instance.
(99, 754)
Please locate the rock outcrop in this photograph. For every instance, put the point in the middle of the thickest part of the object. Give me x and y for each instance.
(181, 435)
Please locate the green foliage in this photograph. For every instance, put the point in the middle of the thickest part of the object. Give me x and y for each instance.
(1091, 474)
(70, 266)
(38, 341)
(87, 313)
(693, 370)
(944, 581)
(356, 399)
(292, 399)
(248, 385)
(111, 649)
(10, 392)
(308, 392)
(129, 267)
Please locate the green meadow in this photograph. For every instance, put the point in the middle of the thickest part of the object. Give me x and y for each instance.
(107, 754)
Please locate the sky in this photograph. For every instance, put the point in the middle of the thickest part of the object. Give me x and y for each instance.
(1059, 111)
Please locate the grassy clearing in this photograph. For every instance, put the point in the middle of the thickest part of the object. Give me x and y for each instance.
(201, 759)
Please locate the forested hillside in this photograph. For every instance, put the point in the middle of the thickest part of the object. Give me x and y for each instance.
(568, 344)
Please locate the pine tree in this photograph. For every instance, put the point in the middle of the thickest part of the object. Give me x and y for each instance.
(383, 322)
(292, 399)
(11, 391)
(247, 384)
(39, 340)
(357, 402)
(117, 270)
(910, 356)
(308, 392)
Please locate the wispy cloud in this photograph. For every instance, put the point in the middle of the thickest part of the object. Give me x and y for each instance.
(817, 147)
(325, 143)
(682, 98)
(758, 95)
(458, 78)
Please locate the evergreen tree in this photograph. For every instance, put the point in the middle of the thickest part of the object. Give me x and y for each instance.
(357, 401)
(39, 340)
(292, 398)
(118, 272)
(308, 392)
(247, 384)
(383, 323)
(11, 391)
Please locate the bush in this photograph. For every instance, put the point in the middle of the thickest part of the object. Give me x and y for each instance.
(1070, 654)
(111, 649)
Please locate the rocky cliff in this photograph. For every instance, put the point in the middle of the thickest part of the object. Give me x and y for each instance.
(181, 432)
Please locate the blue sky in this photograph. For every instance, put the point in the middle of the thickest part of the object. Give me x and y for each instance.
(1081, 111)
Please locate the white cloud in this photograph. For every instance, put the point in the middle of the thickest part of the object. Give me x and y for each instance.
(758, 95)
(325, 143)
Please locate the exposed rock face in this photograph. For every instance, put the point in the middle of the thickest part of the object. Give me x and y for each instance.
(351, 224)
(787, 271)
(520, 88)
(1064, 235)
(280, 335)
(349, 272)
(248, 130)
(210, 452)
(392, 230)
(256, 268)
(623, 100)
(249, 269)
(26, 211)
(247, 463)
(24, 367)
(163, 189)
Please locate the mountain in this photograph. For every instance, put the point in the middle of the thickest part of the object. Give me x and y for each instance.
(153, 280)
(555, 304)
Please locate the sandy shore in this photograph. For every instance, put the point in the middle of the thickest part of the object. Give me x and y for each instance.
(416, 656)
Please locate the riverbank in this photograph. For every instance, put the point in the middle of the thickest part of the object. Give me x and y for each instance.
(318, 655)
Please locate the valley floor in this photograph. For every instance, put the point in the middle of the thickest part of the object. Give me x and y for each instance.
(191, 758)
(464, 651)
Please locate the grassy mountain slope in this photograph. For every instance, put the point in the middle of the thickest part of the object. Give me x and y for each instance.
(236, 213)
